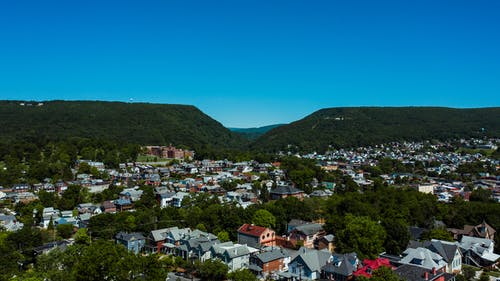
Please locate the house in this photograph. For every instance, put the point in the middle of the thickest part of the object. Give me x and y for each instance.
(411, 272)
(450, 252)
(165, 199)
(478, 252)
(482, 230)
(341, 267)
(256, 236)
(10, 223)
(285, 191)
(235, 256)
(89, 208)
(424, 258)
(371, 265)
(169, 240)
(83, 220)
(416, 232)
(293, 223)
(123, 205)
(177, 199)
(197, 247)
(132, 194)
(191, 243)
(108, 207)
(134, 242)
(306, 234)
(156, 239)
(308, 263)
(49, 214)
(267, 262)
(46, 248)
(325, 242)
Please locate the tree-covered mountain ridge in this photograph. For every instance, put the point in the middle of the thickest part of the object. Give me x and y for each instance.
(141, 123)
(360, 126)
(186, 125)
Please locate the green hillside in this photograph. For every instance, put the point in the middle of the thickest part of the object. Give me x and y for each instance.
(141, 123)
(358, 126)
(253, 133)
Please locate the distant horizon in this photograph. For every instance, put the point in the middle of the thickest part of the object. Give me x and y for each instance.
(232, 127)
(250, 64)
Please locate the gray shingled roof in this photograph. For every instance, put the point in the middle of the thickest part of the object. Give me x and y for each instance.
(286, 189)
(310, 228)
(342, 264)
(275, 254)
(129, 236)
(313, 259)
(423, 257)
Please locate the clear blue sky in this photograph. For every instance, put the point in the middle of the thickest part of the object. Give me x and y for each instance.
(253, 63)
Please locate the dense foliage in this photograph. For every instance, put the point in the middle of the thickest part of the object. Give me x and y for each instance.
(141, 123)
(361, 126)
(32, 162)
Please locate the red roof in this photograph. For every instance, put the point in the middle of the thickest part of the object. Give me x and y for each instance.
(252, 230)
(371, 265)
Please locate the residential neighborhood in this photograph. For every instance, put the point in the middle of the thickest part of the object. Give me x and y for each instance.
(297, 249)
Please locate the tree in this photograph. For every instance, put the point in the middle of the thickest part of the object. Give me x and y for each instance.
(104, 260)
(384, 274)
(482, 195)
(361, 235)
(468, 272)
(8, 257)
(398, 235)
(82, 237)
(484, 277)
(439, 234)
(213, 270)
(242, 275)
(223, 236)
(263, 218)
(64, 230)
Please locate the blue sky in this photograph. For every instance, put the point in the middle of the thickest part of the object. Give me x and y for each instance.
(253, 63)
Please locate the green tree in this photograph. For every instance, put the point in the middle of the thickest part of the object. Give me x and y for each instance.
(263, 218)
(9, 257)
(82, 237)
(65, 230)
(481, 195)
(398, 235)
(223, 236)
(213, 270)
(104, 260)
(242, 275)
(468, 272)
(439, 234)
(384, 274)
(484, 277)
(361, 235)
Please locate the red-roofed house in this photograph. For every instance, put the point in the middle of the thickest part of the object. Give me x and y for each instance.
(256, 236)
(371, 265)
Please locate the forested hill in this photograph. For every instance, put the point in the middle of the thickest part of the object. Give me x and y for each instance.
(141, 123)
(358, 126)
(253, 133)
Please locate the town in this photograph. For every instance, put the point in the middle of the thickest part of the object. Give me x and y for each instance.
(277, 220)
